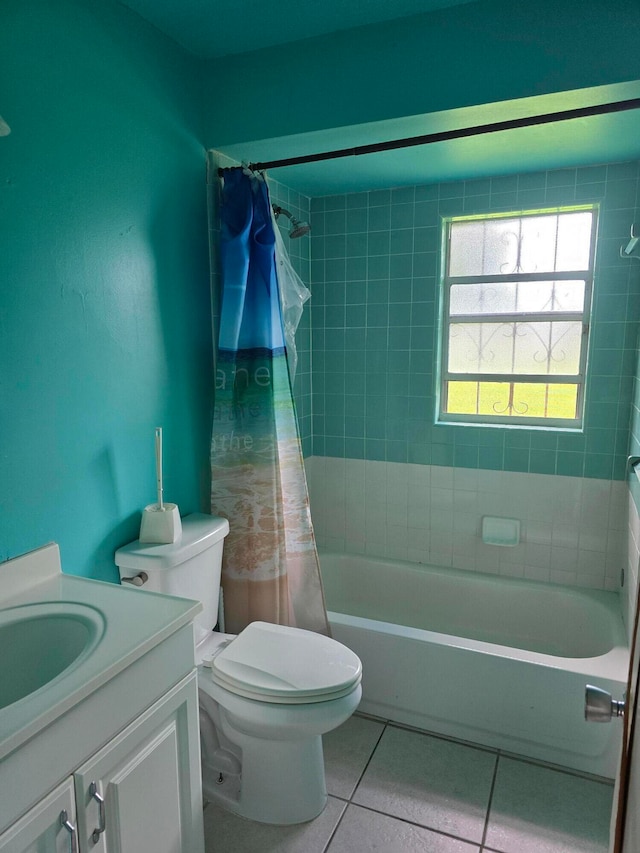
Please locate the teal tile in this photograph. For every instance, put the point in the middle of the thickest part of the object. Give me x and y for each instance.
(560, 195)
(544, 440)
(375, 449)
(357, 246)
(465, 456)
(426, 213)
(403, 195)
(481, 186)
(419, 454)
(401, 241)
(491, 458)
(357, 220)
(378, 243)
(400, 290)
(571, 441)
(379, 197)
(355, 315)
(426, 192)
(335, 246)
(478, 204)
(532, 181)
(334, 446)
(590, 192)
(599, 440)
(570, 464)
(401, 215)
(335, 222)
(427, 238)
(441, 454)
(516, 459)
(378, 291)
(622, 171)
(450, 206)
(353, 427)
(378, 314)
(542, 461)
(621, 193)
(518, 438)
(598, 465)
(379, 218)
(591, 174)
(620, 467)
(401, 266)
(355, 200)
(504, 184)
(451, 189)
(354, 448)
(335, 202)
(561, 178)
(400, 315)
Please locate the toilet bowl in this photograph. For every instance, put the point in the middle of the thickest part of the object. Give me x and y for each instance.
(266, 695)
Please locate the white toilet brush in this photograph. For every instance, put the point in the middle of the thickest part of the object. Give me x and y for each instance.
(160, 521)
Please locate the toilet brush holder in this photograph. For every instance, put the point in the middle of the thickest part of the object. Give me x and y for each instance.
(160, 525)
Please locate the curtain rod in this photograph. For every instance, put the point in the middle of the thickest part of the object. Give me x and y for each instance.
(444, 135)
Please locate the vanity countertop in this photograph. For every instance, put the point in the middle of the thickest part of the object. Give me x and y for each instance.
(133, 622)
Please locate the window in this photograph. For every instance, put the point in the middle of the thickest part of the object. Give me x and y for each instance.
(516, 300)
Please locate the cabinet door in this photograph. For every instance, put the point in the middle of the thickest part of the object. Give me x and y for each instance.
(149, 780)
(49, 827)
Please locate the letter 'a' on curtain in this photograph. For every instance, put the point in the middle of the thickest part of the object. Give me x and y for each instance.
(270, 567)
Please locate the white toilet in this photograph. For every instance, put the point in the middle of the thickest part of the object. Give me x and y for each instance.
(267, 695)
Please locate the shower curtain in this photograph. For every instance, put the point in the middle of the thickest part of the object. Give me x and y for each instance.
(270, 564)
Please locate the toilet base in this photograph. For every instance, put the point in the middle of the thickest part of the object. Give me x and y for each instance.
(280, 782)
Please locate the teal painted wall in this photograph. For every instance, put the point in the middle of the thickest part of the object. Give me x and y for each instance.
(104, 301)
(483, 52)
(374, 317)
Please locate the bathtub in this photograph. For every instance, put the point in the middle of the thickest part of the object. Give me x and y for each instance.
(497, 661)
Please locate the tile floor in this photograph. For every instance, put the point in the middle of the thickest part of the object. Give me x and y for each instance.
(399, 790)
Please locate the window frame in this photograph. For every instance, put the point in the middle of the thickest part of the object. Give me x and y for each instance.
(446, 320)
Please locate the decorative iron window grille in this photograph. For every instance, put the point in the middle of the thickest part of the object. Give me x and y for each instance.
(515, 321)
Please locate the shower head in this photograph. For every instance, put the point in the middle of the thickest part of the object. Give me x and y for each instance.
(297, 228)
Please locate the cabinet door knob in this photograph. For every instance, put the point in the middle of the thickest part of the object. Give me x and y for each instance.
(102, 817)
(73, 835)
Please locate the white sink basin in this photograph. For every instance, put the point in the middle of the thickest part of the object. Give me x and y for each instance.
(42, 642)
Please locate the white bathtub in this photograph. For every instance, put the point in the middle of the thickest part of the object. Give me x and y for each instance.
(498, 661)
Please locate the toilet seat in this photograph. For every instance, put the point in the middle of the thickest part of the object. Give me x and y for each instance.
(275, 663)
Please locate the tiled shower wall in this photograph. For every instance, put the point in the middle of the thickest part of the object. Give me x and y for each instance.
(374, 273)
(384, 479)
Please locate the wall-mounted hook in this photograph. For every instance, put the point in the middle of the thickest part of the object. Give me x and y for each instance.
(627, 251)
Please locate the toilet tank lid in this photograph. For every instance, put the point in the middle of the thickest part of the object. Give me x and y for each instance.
(199, 532)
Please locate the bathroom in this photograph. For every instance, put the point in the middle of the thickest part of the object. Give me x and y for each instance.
(106, 298)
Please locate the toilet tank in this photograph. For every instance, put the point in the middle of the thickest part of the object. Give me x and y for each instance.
(189, 568)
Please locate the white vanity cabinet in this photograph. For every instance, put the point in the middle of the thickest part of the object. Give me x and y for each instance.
(135, 794)
(47, 827)
(104, 757)
(143, 779)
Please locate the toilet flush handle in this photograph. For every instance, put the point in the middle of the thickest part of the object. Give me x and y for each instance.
(136, 580)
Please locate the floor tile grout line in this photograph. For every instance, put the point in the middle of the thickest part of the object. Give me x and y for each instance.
(485, 830)
(414, 823)
(349, 800)
(368, 762)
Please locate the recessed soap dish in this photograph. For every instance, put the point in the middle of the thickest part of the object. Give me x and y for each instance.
(500, 531)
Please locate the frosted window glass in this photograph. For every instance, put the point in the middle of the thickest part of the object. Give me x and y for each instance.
(527, 244)
(574, 241)
(534, 297)
(537, 349)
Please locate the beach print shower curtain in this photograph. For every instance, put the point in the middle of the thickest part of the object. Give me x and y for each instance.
(270, 564)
